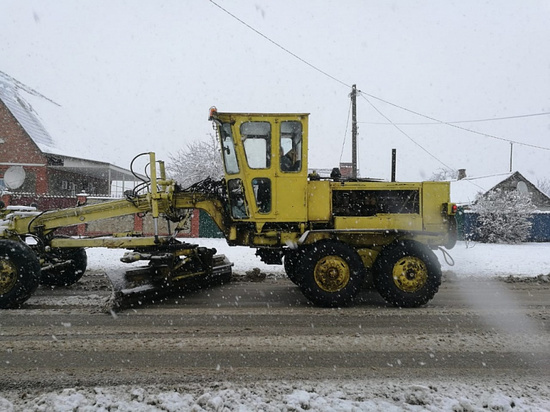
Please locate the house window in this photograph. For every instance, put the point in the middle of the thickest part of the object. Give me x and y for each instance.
(64, 185)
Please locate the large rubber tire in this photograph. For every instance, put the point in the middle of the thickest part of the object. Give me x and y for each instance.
(293, 264)
(19, 273)
(68, 274)
(407, 274)
(333, 274)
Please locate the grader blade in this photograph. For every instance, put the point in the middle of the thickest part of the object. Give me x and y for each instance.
(157, 283)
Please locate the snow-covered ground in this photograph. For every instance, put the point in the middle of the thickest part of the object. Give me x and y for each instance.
(353, 396)
(476, 260)
(479, 261)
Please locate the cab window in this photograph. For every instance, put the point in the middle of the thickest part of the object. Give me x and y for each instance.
(256, 137)
(228, 150)
(291, 146)
(237, 200)
(262, 194)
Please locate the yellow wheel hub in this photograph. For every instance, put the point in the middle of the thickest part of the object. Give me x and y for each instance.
(332, 273)
(410, 274)
(8, 276)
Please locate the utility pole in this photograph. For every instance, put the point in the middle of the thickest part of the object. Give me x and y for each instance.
(354, 132)
(511, 154)
(393, 163)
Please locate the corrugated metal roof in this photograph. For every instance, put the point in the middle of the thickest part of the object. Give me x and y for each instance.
(25, 115)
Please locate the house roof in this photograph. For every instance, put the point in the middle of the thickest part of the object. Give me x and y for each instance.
(30, 122)
(94, 168)
(25, 115)
(465, 191)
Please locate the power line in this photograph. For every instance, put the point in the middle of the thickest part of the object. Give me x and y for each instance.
(403, 132)
(463, 121)
(454, 125)
(296, 57)
(324, 73)
(281, 47)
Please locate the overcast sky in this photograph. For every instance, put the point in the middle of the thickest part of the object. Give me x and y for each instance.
(137, 76)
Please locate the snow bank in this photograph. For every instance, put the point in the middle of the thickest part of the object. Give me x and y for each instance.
(477, 260)
(482, 260)
(390, 395)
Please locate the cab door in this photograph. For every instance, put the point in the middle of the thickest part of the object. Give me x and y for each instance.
(291, 169)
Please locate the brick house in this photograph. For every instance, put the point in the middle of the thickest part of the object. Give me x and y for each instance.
(53, 179)
(27, 150)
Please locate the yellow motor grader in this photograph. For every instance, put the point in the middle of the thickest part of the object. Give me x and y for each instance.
(333, 235)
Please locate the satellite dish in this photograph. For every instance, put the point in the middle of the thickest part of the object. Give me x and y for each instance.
(522, 188)
(14, 177)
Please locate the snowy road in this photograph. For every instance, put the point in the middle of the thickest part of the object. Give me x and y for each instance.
(266, 330)
(481, 344)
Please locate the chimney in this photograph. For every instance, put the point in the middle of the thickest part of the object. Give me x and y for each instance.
(461, 174)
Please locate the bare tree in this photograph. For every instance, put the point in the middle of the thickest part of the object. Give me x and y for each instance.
(443, 174)
(544, 185)
(197, 161)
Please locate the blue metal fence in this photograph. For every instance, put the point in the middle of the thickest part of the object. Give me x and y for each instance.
(540, 230)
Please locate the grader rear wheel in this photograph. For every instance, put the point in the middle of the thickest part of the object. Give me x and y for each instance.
(407, 274)
(293, 264)
(333, 274)
(19, 273)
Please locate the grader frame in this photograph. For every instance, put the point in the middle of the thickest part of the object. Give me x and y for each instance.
(333, 235)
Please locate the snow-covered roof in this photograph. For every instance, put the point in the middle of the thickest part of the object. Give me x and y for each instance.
(25, 115)
(465, 191)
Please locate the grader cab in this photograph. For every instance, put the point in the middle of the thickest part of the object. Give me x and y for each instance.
(333, 235)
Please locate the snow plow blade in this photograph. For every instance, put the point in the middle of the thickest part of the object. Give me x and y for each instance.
(160, 280)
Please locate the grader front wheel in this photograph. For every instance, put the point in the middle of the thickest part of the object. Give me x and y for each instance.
(8, 276)
(333, 274)
(19, 273)
(407, 274)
